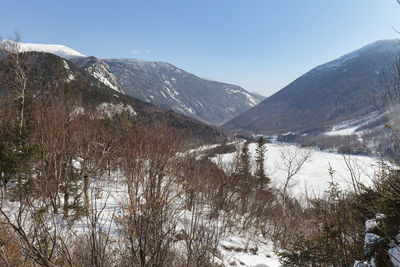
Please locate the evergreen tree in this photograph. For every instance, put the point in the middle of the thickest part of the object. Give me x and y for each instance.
(260, 175)
(245, 177)
(17, 149)
(244, 165)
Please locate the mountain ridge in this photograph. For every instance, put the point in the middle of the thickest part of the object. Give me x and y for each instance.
(56, 49)
(162, 84)
(170, 87)
(328, 94)
(47, 72)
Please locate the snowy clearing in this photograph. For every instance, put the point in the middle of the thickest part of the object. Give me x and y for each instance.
(314, 176)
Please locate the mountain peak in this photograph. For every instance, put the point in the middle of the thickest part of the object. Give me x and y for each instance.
(382, 44)
(384, 47)
(329, 94)
(59, 50)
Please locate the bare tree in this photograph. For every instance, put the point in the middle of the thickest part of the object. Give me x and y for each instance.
(292, 160)
(39, 236)
(20, 78)
(151, 210)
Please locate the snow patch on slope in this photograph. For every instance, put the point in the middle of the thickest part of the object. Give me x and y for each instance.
(100, 72)
(239, 250)
(111, 109)
(352, 126)
(77, 111)
(71, 76)
(252, 101)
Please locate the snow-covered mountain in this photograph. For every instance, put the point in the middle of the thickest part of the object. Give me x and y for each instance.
(56, 49)
(59, 50)
(167, 86)
(98, 69)
(46, 71)
(161, 84)
(379, 47)
(330, 94)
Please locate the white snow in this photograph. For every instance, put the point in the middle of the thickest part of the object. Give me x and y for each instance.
(190, 110)
(250, 99)
(107, 195)
(77, 163)
(394, 254)
(350, 127)
(77, 111)
(109, 192)
(184, 109)
(314, 177)
(59, 50)
(202, 148)
(100, 72)
(371, 239)
(240, 251)
(256, 251)
(66, 66)
(110, 109)
(172, 94)
(71, 76)
(167, 83)
(342, 131)
(370, 225)
(380, 216)
(107, 109)
(231, 91)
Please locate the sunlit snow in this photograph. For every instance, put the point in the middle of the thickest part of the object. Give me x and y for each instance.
(313, 178)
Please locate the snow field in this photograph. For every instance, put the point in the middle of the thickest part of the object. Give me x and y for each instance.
(313, 178)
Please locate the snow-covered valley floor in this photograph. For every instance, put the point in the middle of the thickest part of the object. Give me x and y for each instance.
(313, 177)
(238, 248)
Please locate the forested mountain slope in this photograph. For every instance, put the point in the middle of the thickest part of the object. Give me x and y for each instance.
(340, 90)
(48, 72)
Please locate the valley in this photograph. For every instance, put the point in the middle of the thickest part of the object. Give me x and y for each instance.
(313, 178)
(120, 161)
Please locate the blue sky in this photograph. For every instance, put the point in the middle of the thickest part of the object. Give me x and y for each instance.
(261, 45)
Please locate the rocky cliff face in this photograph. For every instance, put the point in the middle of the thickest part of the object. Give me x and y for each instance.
(98, 69)
(172, 88)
